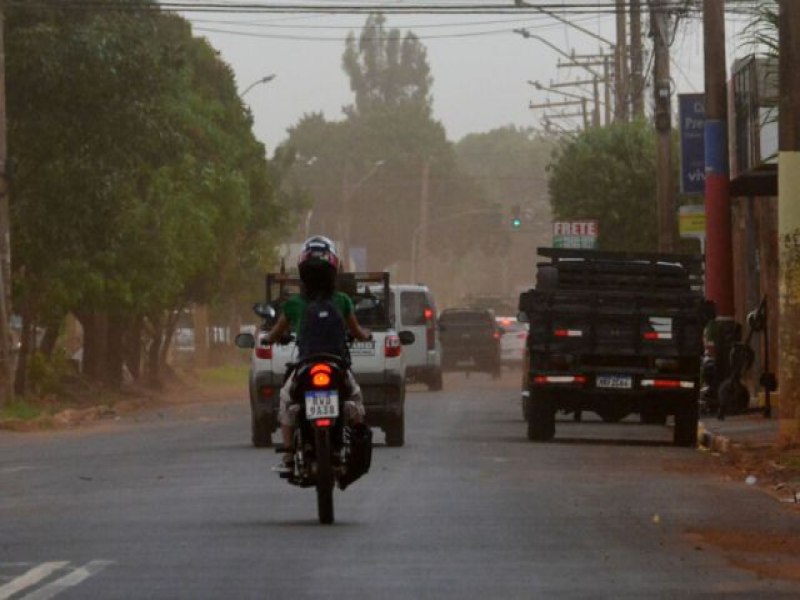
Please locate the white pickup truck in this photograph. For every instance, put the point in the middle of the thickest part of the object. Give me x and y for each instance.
(378, 365)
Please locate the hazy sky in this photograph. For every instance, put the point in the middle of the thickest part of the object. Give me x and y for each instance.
(480, 67)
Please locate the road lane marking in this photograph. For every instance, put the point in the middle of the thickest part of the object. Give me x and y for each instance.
(67, 581)
(32, 577)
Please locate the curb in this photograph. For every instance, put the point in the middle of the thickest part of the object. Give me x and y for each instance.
(713, 442)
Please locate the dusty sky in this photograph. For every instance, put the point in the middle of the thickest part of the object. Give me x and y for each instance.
(479, 65)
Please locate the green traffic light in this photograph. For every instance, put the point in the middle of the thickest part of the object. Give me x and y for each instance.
(516, 223)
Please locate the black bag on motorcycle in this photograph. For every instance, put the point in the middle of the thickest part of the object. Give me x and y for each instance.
(360, 457)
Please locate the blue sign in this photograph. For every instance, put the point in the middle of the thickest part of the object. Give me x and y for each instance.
(692, 115)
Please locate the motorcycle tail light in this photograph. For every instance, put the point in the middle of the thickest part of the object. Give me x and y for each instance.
(267, 392)
(320, 379)
(321, 368)
(323, 422)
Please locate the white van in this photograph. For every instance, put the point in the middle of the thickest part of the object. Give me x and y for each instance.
(417, 314)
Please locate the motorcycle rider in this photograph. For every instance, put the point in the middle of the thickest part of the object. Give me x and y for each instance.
(318, 265)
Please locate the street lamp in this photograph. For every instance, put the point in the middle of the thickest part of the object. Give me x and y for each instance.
(265, 79)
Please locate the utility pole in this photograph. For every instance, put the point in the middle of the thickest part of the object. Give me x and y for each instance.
(637, 66)
(555, 87)
(719, 247)
(424, 217)
(662, 88)
(789, 220)
(621, 62)
(6, 366)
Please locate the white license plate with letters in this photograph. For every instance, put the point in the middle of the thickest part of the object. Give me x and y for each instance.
(616, 382)
(362, 348)
(322, 404)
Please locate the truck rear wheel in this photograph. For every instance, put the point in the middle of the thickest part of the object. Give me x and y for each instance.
(261, 430)
(396, 433)
(685, 433)
(541, 419)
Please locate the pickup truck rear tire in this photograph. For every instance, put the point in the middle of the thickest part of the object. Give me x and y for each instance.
(686, 415)
(261, 431)
(541, 419)
(436, 381)
(396, 433)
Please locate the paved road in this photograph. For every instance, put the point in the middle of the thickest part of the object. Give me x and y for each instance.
(177, 505)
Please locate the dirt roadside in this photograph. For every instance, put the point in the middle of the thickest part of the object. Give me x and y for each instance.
(97, 406)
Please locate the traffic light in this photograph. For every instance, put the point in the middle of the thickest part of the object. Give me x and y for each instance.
(516, 218)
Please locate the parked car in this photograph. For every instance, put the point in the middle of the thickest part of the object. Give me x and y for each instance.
(417, 313)
(470, 340)
(512, 340)
(378, 366)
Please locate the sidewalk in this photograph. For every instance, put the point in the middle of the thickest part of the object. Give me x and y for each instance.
(752, 429)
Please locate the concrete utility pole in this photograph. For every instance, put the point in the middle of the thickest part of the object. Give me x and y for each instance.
(424, 216)
(719, 247)
(6, 366)
(662, 88)
(621, 62)
(637, 65)
(555, 88)
(587, 62)
(789, 221)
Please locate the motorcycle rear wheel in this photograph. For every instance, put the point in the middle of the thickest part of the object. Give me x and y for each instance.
(324, 476)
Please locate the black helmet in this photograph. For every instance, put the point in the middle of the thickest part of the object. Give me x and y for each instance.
(318, 264)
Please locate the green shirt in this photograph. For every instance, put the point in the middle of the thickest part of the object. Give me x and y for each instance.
(295, 309)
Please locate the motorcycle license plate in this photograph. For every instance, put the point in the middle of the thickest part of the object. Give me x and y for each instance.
(322, 404)
(618, 382)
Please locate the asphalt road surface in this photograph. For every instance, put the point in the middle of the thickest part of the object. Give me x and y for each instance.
(176, 504)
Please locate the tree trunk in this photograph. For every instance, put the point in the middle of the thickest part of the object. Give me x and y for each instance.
(25, 350)
(154, 353)
(133, 347)
(51, 333)
(201, 342)
(95, 344)
(169, 334)
(112, 372)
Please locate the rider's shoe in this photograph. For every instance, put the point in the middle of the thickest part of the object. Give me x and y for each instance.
(286, 466)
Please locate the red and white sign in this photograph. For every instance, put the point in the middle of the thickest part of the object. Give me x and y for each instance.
(583, 228)
(575, 234)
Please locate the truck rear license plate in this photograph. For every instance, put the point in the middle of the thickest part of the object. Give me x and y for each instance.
(619, 382)
(322, 404)
(362, 348)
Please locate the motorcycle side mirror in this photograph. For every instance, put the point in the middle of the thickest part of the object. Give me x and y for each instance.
(265, 311)
(406, 337)
(245, 340)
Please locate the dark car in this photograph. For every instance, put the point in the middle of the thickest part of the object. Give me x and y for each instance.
(470, 340)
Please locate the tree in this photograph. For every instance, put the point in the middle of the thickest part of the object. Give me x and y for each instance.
(141, 190)
(609, 174)
(386, 69)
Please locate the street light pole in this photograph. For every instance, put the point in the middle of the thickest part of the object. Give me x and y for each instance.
(265, 79)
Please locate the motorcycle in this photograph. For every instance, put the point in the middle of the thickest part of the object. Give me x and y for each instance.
(327, 451)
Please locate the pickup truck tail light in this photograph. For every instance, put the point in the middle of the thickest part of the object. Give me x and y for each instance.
(430, 329)
(559, 379)
(667, 384)
(392, 347)
(657, 335)
(568, 333)
(264, 352)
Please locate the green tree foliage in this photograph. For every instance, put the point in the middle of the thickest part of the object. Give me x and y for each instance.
(138, 186)
(379, 208)
(386, 69)
(609, 174)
